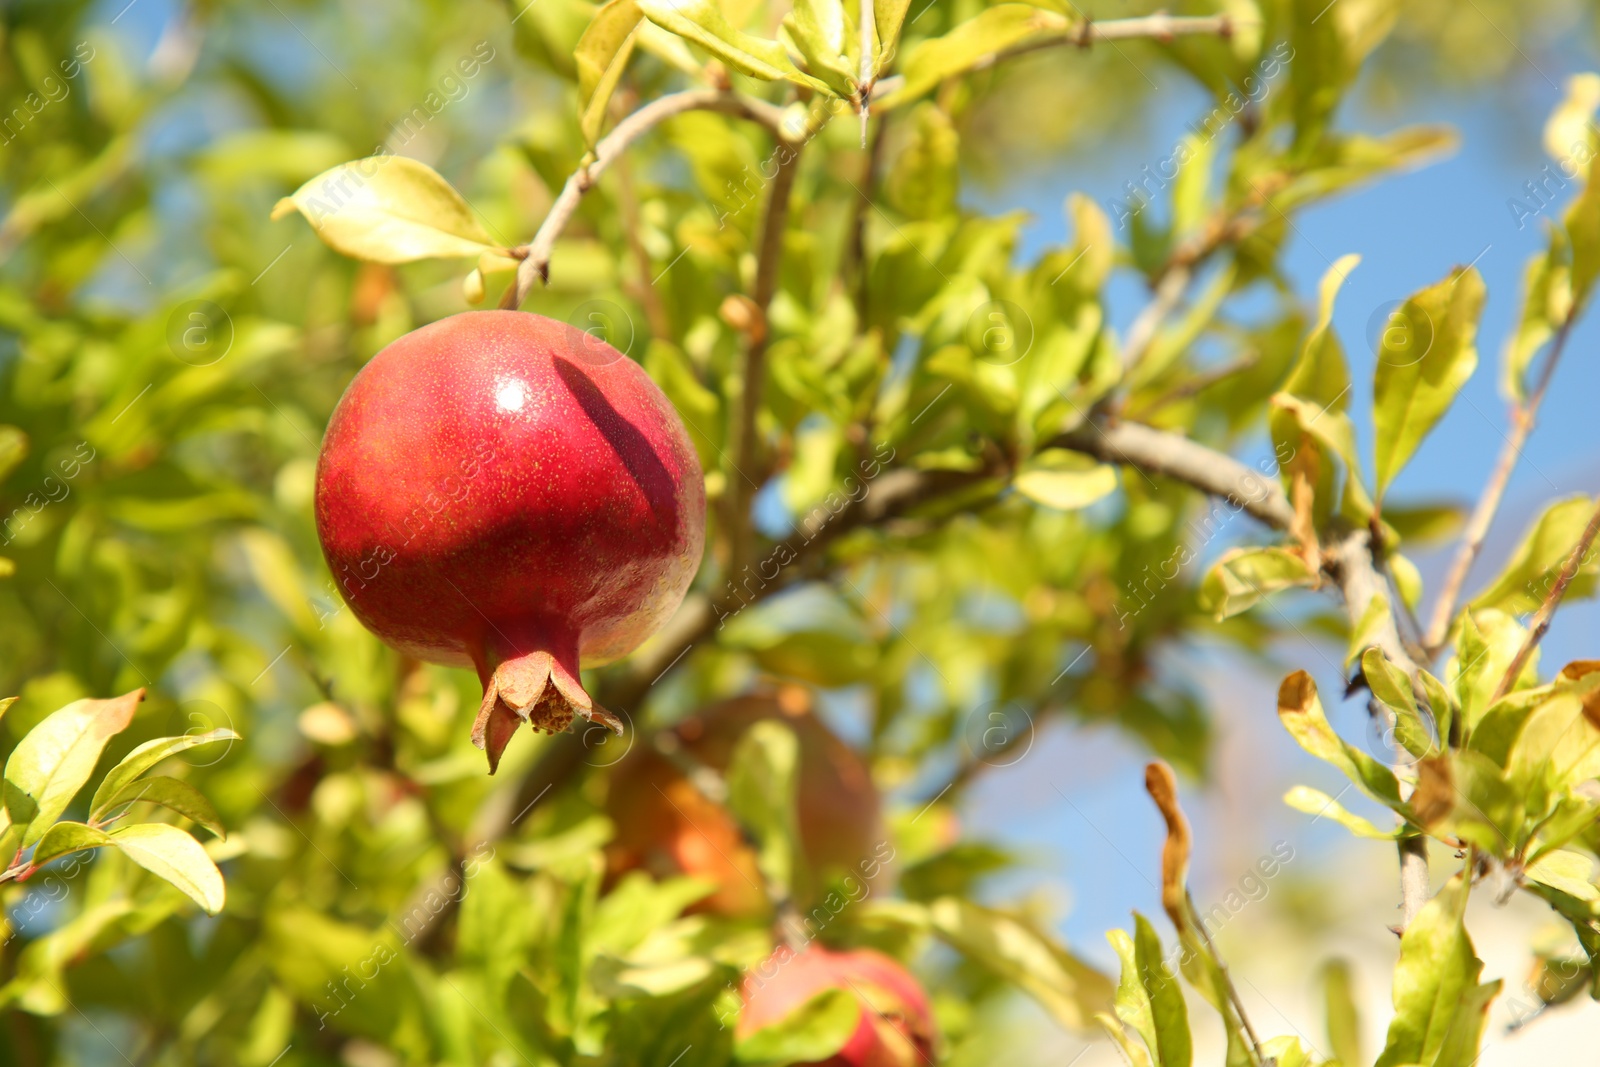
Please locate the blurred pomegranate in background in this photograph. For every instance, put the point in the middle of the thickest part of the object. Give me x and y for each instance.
(667, 827)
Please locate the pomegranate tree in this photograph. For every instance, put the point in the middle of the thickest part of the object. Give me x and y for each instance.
(895, 1028)
(499, 489)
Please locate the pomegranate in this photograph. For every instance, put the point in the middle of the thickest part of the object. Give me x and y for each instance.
(500, 490)
(896, 1025)
(666, 826)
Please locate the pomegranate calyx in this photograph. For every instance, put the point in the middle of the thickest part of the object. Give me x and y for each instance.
(534, 688)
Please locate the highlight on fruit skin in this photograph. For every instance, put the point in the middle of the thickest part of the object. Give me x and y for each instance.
(665, 826)
(895, 1027)
(503, 491)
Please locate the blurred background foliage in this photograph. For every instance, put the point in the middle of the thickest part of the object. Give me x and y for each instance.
(180, 553)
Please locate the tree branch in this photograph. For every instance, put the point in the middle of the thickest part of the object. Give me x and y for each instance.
(1160, 452)
(1522, 422)
(1348, 562)
(535, 265)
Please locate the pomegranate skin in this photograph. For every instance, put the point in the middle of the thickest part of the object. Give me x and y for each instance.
(501, 490)
(896, 1026)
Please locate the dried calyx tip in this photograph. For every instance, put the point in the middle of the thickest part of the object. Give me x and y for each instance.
(534, 689)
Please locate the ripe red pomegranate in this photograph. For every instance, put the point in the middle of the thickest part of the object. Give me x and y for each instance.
(666, 826)
(502, 490)
(896, 1026)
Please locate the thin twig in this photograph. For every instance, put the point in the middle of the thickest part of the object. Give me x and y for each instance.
(1229, 990)
(745, 437)
(1169, 291)
(1472, 538)
(535, 265)
(1552, 600)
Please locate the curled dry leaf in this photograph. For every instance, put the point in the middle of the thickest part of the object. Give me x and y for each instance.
(1162, 785)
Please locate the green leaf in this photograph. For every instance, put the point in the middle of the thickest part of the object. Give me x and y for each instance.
(1334, 431)
(1425, 524)
(703, 23)
(1320, 374)
(170, 854)
(1374, 619)
(170, 793)
(889, 15)
(65, 837)
(388, 209)
(13, 448)
(995, 29)
(1300, 710)
(1437, 970)
(826, 38)
(1569, 131)
(811, 1033)
(1427, 354)
(1532, 569)
(55, 759)
(1466, 795)
(1148, 998)
(1486, 643)
(1570, 872)
(602, 56)
(763, 789)
(1546, 303)
(1583, 235)
(1072, 991)
(146, 756)
(1316, 803)
(1065, 481)
(1463, 1043)
(1344, 1018)
(1244, 576)
(1392, 687)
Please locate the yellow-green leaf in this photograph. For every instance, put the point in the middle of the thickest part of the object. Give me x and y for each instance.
(1436, 972)
(995, 29)
(602, 56)
(1065, 481)
(1428, 352)
(1569, 131)
(1244, 576)
(811, 1033)
(173, 794)
(1317, 804)
(702, 22)
(1546, 303)
(762, 791)
(1300, 710)
(146, 756)
(1072, 991)
(388, 209)
(174, 856)
(67, 837)
(49, 765)
(1537, 561)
